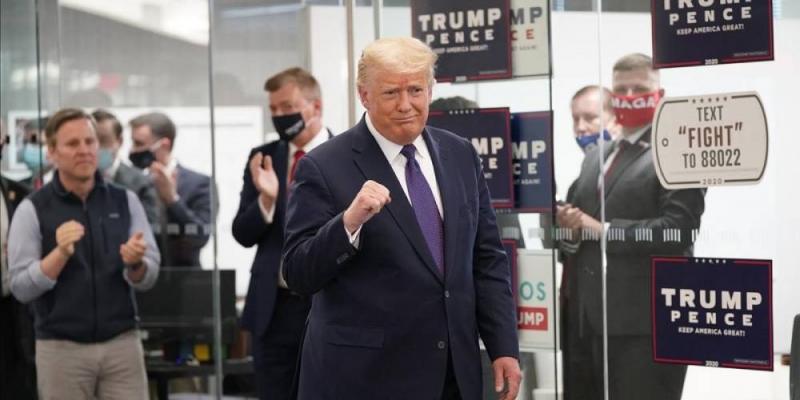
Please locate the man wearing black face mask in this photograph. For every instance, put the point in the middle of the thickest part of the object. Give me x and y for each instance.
(641, 219)
(273, 315)
(185, 195)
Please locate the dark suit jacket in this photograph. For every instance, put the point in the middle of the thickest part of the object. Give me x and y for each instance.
(250, 229)
(17, 368)
(191, 214)
(139, 183)
(635, 200)
(383, 318)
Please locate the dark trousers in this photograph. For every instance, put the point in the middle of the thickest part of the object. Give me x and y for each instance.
(275, 353)
(577, 354)
(17, 365)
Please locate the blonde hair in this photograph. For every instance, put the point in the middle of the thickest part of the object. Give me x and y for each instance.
(297, 76)
(633, 62)
(403, 55)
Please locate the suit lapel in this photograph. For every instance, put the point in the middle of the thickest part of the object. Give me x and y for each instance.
(627, 157)
(443, 161)
(589, 195)
(372, 163)
(631, 154)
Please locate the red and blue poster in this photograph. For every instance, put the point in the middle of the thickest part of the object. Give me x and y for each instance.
(531, 157)
(714, 312)
(710, 32)
(471, 37)
(488, 131)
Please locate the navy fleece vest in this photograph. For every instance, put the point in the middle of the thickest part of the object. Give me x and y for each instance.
(91, 302)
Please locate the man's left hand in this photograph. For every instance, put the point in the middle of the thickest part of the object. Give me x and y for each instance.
(507, 377)
(164, 182)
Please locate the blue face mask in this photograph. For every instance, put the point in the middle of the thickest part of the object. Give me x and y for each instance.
(105, 158)
(35, 157)
(586, 142)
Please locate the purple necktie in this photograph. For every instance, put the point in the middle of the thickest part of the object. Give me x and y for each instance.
(424, 206)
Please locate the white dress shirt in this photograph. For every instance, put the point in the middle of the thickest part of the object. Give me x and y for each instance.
(109, 173)
(398, 162)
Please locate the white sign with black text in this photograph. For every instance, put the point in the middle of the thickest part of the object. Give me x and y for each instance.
(710, 140)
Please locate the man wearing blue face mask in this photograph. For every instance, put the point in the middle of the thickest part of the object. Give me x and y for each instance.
(109, 136)
(273, 315)
(589, 120)
(592, 113)
(34, 153)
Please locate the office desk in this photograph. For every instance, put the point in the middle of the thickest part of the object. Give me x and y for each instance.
(161, 372)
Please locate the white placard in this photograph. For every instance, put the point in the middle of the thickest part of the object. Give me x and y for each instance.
(530, 47)
(710, 140)
(535, 299)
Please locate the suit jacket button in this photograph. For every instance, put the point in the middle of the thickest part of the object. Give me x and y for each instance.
(447, 294)
(441, 345)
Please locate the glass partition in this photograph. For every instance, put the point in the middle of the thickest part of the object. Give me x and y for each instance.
(22, 162)
(142, 69)
(696, 299)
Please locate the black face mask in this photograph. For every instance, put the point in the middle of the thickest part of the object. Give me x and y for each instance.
(289, 126)
(142, 159)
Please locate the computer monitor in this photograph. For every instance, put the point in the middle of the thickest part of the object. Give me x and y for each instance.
(180, 306)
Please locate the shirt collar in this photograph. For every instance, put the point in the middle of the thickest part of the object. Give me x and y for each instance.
(112, 170)
(99, 183)
(634, 137)
(391, 149)
(317, 140)
(172, 164)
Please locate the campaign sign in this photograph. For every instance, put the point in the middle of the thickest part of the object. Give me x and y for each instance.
(535, 299)
(488, 130)
(531, 158)
(530, 37)
(471, 37)
(713, 312)
(710, 140)
(710, 32)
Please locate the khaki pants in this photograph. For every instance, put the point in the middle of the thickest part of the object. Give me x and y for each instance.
(109, 370)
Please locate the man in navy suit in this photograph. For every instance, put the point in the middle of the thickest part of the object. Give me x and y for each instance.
(273, 315)
(185, 196)
(401, 295)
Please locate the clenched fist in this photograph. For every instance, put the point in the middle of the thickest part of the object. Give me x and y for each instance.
(67, 234)
(369, 201)
(133, 251)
